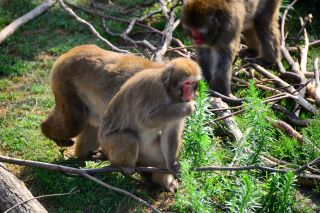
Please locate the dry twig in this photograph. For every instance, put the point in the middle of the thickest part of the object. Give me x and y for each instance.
(92, 29)
(72, 191)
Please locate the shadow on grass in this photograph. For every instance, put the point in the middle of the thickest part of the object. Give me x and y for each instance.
(91, 196)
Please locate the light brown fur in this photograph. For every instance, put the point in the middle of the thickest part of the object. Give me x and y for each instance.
(220, 22)
(83, 81)
(144, 121)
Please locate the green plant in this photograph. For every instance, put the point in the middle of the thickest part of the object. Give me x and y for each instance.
(259, 131)
(280, 191)
(247, 197)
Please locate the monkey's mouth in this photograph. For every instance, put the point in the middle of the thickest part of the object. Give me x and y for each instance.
(197, 38)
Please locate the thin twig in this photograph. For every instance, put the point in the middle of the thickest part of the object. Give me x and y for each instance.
(239, 168)
(92, 29)
(283, 20)
(66, 169)
(304, 51)
(304, 167)
(169, 28)
(85, 172)
(42, 196)
(144, 26)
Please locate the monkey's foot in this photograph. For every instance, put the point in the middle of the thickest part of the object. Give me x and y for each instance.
(248, 53)
(167, 181)
(259, 61)
(127, 170)
(172, 186)
(64, 142)
(175, 169)
(98, 156)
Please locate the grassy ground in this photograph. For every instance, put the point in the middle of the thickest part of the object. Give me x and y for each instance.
(25, 100)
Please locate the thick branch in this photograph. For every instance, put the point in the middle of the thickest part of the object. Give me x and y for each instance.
(13, 191)
(11, 28)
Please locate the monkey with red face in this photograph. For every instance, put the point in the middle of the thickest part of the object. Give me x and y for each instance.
(143, 123)
(215, 27)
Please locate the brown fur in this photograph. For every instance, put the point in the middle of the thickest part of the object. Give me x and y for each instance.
(144, 121)
(221, 22)
(83, 81)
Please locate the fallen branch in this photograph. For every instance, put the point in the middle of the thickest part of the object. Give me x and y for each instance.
(230, 123)
(313, 88)
(86, 172)
(70, 170)
(285, 127)
(13, 191)
(92, 29)
(299, 99)
(11, 28)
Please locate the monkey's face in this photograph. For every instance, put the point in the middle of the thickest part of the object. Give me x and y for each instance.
(183, 90)
(203, 29)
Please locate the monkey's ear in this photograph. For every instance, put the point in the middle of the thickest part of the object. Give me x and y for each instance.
(166, 75)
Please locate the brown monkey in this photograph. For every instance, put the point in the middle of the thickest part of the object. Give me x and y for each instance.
(215, 27)
(83, 81)
(143, 123)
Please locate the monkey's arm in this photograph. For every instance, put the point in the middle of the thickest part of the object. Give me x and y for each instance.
(166, 113)
(221, 70)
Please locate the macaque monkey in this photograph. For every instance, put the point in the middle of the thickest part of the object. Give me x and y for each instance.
(83, 81)
(140, 119)
(215, 27)
(143, 123)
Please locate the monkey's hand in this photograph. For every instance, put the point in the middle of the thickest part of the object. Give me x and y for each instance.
(127, 170)
(190, 108)
(174, 168)
(167, 113)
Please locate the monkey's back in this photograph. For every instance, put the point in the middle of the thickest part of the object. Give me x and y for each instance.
(94, 75)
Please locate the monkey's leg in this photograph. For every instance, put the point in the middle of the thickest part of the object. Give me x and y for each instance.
(268, 33)
(207, 59)
(87, 142)
(67, 120)
(122, 148)
(252, 42)
(170, 144)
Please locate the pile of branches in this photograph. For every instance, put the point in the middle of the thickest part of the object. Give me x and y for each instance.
(297, 83)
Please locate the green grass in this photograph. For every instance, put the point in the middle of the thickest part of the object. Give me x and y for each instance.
(25, 100)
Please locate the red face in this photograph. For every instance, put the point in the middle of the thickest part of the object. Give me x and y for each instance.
(188, 89)
(197, 37)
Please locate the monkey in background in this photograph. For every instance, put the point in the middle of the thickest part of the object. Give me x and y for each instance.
(215, 27)
(143, 123)
(83, 81)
